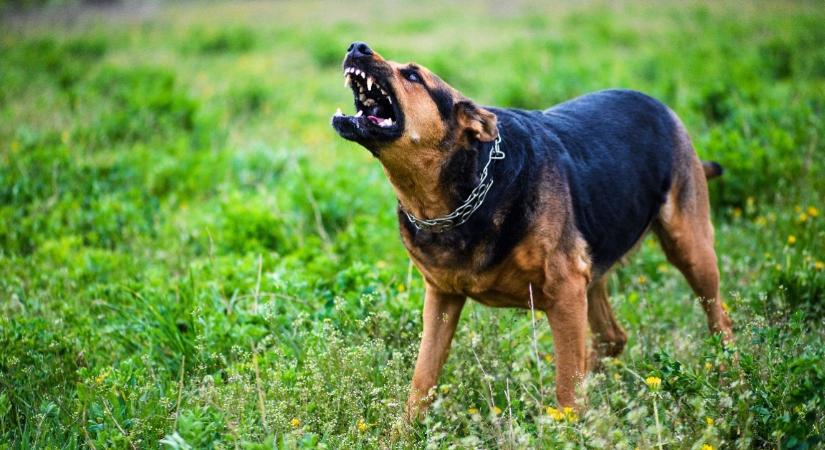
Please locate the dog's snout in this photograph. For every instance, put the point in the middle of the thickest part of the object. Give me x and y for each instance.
(357, 49)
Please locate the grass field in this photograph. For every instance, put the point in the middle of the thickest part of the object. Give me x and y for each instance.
(191, 258)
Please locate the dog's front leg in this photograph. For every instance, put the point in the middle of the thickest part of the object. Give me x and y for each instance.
(441, 313)
(567, 315)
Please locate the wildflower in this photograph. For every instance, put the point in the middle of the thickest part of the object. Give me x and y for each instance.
(401, 288)
(737, 212)
(791, 240)
(709, 421)
(555, 414)
(617, 377)
(812, 211)
(496, 410)
(726, 307)
(802, 218)
(295, 422)
(819, 265)
(708, 366)
(445, 388)
(472, 411)
(662, 268)
(548, 357)
(653, 382)
(761, 221)
(569, 414)
(641, 279)
(707, 447)
(362, 426)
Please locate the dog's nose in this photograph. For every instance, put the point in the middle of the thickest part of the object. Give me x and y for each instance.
(357, 49)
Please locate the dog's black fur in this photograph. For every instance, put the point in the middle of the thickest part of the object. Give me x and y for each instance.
(610, 151)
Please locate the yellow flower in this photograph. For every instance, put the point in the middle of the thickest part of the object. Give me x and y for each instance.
(819, 265)
(554, 413)
(569, 414)
(709, 421)
(496, 410)
(813, 212)
(791, 240)
(750, 201)
(445, 388)
(761, 221)
(707, 447)
(295, 422)
(708, 366)
(617, 377)
(401, 288)
(802, 218)
(653, 382)
(548, 357)
(641, 279)
(737, 212)
(725, 307)
(362, 426)
(473, 411)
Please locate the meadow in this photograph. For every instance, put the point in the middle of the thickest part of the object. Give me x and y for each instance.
(191, 258)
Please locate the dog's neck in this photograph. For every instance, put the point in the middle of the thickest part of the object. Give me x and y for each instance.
(417, 181)
(420, 184)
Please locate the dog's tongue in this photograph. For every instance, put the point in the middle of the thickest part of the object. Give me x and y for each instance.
(374, 119)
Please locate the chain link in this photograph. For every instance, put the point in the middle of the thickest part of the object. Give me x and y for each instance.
(473, 202)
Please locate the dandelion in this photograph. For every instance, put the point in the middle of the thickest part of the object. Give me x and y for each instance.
(295, 422)
(813, 212)
(791, 240)
(653, 383)
(819, 265)
(548, 358)
(401, 288)
(802, 218)
(708, 366)
(707, 447)
(555, 414)
(726, 307)
(362, 426)
(709, 421)
(641, 279)
(496, 410)
(472, 411)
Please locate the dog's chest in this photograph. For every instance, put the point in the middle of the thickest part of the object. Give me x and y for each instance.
(507, 285)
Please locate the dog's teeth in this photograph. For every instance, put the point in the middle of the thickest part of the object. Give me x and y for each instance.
(338, 112)
(389, 99)
(359, 113)
(348, 81)
(369, 102)
(369, 83)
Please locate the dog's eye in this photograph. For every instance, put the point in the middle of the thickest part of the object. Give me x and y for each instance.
(412, 76)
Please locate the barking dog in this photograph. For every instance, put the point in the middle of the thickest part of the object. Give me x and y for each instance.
(531, 208)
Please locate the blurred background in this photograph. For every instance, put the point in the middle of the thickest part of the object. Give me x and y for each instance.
(191, 257)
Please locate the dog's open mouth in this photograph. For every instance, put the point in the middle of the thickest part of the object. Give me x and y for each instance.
(377, 116)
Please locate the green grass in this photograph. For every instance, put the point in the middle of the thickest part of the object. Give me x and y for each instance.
(191, 258)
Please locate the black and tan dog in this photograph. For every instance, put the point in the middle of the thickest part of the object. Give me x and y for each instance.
(498, 204)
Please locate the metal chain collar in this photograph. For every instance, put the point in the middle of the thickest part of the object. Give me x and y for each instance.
(463, 212)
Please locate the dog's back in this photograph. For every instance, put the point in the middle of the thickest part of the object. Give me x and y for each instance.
(618, 155)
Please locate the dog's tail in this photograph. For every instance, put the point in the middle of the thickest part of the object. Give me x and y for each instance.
(712, 169)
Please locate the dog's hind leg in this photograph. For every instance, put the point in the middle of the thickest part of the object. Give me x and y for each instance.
(686, 234)
(609, 338)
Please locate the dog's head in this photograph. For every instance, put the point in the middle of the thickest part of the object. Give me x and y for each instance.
(403, 107)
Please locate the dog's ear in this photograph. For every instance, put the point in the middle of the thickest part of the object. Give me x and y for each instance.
(474, 122)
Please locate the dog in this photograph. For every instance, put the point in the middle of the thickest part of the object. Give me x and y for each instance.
(531, 209)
